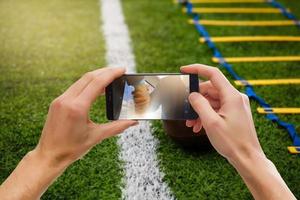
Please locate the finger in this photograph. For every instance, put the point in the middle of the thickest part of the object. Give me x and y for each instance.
(214, 104)
(81, 83)
(190, 123)
(216, 77)
(207, 89)
(206, 113)
(98, 84)
(103, 131)
(210, 93)
(198, 126)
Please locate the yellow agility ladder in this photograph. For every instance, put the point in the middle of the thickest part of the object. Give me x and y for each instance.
(289, 127)
(258, 59)
(278, 110)
(267, 82)
(227, 1)
(235, 10)
(244, 22)
(269, 38)
(294, 149)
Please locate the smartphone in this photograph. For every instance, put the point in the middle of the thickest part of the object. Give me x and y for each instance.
(151, 96)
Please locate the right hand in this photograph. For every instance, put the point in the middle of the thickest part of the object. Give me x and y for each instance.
(225, 115)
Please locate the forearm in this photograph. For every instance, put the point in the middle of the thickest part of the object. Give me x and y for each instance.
(31, 178)
(262, 177)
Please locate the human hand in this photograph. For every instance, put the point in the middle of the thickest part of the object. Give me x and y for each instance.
(212, 96)
(68, 133)
(141, 98)
(226, 117)
(224, 113)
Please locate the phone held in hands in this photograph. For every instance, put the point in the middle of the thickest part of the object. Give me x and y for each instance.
(151, 96)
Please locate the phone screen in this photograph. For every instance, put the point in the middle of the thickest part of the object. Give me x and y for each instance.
(163, 96)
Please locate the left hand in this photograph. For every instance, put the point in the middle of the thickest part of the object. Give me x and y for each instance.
(68, 133)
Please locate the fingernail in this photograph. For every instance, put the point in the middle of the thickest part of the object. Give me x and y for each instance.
(193, 96)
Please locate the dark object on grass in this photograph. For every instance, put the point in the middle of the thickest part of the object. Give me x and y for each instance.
(185, 137)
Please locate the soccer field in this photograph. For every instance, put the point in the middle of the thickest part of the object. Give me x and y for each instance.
(47, 45)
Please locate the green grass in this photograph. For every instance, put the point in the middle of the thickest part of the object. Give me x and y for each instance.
(46, 46)
(163, 41)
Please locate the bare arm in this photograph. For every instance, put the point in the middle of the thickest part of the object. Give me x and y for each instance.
(226, 116)
(31, 178)
(68, 135)
(262, 177)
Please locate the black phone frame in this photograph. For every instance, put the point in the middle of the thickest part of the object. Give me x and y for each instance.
(194, 87)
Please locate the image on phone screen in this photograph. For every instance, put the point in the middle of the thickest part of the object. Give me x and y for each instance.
(151, 97)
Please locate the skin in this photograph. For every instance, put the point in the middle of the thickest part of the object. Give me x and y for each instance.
(69, 134)
(222, 108)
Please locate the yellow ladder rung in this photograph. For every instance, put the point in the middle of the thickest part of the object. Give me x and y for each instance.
(244, 23)
(254, 39)
(294, 149)
(278, 110)
(227, 1)
(267, 82)
(258, 59)
(234, 10)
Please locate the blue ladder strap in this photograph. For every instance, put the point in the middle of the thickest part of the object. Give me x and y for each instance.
(251, 94)
(291, 130)
(249, 89)
(202, 31)
(289, 127)
(274, 118)
(189, 8)
(284, 11)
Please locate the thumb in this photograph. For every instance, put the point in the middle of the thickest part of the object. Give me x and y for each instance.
(103, 131)
(203, 108)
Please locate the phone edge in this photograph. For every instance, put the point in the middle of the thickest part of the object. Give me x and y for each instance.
(109, 102)
(194, 87)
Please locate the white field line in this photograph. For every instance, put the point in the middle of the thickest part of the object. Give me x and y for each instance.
(142, 180)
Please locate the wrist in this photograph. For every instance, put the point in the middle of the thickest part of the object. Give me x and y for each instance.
(45, 161)
(241, 160)
(261, 176)
(31, 177)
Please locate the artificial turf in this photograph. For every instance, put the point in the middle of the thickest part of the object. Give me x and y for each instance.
(46, 46)
(163, 41)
